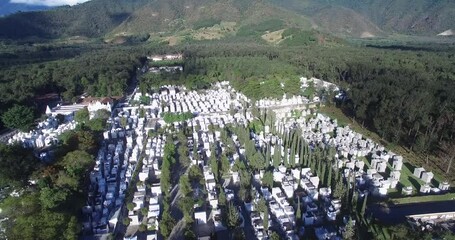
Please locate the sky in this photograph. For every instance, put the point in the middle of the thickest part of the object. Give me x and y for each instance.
(49, 3)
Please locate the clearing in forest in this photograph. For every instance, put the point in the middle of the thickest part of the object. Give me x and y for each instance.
(273, 37)
(217, 31)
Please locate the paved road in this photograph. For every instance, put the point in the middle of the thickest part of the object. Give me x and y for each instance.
(397, 214)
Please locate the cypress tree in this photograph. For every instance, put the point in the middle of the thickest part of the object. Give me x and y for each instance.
(298, 213)
(292, 157)
(329, 175)
(266, 219)
(301, 152)
(364, 205)
(277, 156)
(324, 173)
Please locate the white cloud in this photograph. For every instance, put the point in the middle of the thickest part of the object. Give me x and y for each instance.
(49, 3)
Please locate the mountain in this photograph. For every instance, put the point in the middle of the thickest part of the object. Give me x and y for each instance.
(419, 17)
(101, 18)
(214, 19)
(6, 7)
(90, 19)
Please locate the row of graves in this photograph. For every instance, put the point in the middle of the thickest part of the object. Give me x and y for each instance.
(318, 84)
(295, 183)
(115, 164)
(373, 167)
(176, 99)
(147, 197)
(284, 102)
(153, 153)
(277, 199)
(302, 185)
(45, 134)
(377, 176)
(317, 205)
(208, 217)
(299, 100)
(213, 116)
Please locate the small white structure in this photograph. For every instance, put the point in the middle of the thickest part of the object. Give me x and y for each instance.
(427, 177)
(418, 172)
(406, 191)
(200, 216)
(64, 110)
(444, 186)
(381, 167)
(425, 188)
(95, 104)
(397, 163)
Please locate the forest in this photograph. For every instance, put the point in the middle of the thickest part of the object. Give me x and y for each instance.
(68, 72)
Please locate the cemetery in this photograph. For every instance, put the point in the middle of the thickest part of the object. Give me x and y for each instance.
(213, 161)
(45, 134)
(59, 120)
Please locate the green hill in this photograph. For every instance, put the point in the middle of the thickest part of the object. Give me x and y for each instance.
(214, 19)
(165, 20)
(419, 17)
(91, 19)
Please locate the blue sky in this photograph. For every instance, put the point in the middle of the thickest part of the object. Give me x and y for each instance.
(50, 3)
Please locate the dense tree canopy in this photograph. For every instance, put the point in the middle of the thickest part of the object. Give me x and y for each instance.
(18, 117)
(67, 71)
(45, 207)
(16, 164)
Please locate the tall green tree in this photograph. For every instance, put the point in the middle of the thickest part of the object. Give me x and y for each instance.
(277, 156)
(364, 205)
(298, 213)
(349, 232)
(16, 164)
(82, 116)
(232, 217)
(167, 223)
(18, 117)
(274, 236)
(267, 179)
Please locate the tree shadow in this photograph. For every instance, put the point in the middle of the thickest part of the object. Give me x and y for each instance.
(409, 166)
(435, 182)
(414, 183)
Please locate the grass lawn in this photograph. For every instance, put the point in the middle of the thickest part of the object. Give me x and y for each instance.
(411, 159)
(427, 198)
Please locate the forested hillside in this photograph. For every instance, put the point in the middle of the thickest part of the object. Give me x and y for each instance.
(406, 16)
(27, 73)
(347, 18)
(422, 17)
(101, 18)
(91, 19)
